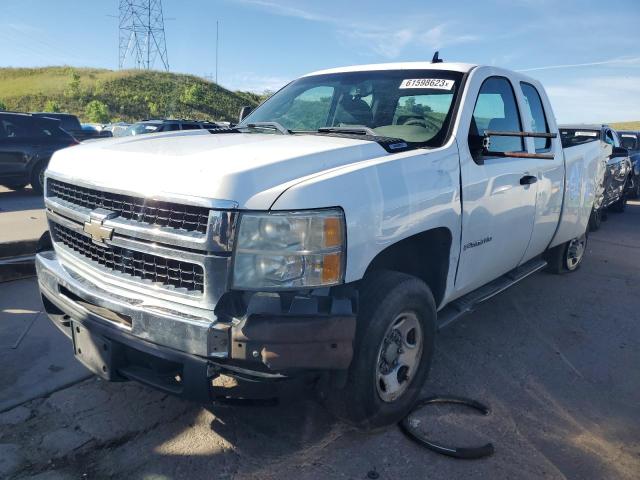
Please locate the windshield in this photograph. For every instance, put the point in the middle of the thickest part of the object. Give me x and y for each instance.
(413, 105)
(571, 137)
(140, 128)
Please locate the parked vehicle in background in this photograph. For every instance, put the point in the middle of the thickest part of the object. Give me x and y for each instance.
(631, 141)
(618, 165)
(97, 127)
(26, 145)
(71, 124)
(117, 129)
(168, 125)
(331, 233)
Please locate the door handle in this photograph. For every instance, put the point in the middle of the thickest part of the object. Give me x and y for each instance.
(528, 180)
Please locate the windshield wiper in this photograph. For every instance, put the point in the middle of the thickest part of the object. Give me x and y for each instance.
(390, 144)
(267, 126)
(355, 130)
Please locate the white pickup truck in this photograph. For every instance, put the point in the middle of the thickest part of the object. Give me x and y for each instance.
(331, 233)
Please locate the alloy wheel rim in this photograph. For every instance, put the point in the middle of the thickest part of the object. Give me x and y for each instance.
(398, 356)
(575, 252)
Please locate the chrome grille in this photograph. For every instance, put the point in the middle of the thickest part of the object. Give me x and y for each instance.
(163, 271)
(152, 212)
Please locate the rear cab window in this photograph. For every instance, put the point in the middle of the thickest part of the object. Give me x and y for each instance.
(539, 124)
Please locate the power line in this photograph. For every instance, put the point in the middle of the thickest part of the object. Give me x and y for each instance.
(142, 38)
(216, 52)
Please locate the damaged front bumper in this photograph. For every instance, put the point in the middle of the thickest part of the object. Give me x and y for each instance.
(123, 335)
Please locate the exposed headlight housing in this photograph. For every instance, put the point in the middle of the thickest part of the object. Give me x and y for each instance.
(285, 250)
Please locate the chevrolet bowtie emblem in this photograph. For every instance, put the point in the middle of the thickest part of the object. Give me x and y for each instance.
(99, 233)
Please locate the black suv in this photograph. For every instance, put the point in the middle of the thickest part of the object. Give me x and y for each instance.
(70, 124)
(26, 145)
(164, 125)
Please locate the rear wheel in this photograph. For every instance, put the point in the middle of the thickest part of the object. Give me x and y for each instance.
(568, 256)
(393, 350)
(37, 177)
(595, 220)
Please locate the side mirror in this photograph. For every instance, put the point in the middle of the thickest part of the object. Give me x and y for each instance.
(244, 112)
(619, 152)
(477, 146)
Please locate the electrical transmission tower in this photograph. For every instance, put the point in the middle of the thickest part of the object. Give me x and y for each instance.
(141, 37)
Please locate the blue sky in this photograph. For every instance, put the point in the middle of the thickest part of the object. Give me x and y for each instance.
(587, 53)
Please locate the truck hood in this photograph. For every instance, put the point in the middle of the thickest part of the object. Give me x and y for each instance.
(252, 169)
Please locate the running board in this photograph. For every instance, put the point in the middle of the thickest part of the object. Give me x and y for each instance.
(468, 303)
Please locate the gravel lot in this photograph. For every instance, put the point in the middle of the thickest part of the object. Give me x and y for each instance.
(555, 357)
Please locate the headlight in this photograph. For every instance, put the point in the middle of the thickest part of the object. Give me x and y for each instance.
(281, 250)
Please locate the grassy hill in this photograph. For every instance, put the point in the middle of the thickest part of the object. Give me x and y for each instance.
(102, 95)
(626, 125)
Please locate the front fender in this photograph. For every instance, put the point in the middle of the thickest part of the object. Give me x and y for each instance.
(386, 200)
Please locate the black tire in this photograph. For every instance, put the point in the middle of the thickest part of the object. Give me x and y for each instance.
(595, 220)
(37, 177)
(561, 259)
(384, 297)
(620, 205)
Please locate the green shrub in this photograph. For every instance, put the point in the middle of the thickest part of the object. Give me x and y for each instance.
(128, 95)
(97, 112)
(51, 106)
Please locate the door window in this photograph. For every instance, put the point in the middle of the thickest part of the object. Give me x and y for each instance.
(15, 127)
(539, 124)
(496, 110)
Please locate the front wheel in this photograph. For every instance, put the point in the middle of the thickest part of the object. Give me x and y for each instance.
(568, 256)
(393, 349)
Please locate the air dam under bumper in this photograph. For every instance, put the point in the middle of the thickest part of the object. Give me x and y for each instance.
(181, 354)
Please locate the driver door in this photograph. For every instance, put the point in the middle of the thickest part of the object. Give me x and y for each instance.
(498, 209)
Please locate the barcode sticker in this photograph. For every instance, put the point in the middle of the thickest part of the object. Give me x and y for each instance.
(586, 134)
(436, 83)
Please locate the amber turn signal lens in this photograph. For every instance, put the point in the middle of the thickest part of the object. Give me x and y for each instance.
(331, 268)
(332, 232)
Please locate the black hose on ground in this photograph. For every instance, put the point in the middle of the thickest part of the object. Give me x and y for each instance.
(467, 453)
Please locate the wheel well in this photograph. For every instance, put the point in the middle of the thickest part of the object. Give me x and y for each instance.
(424, 255)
